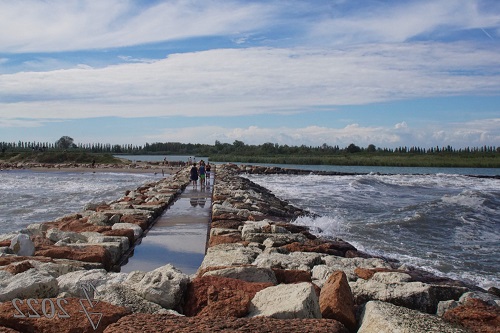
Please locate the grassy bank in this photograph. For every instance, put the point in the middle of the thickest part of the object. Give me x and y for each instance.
(443, 159)
(486, 160)
(58, 157)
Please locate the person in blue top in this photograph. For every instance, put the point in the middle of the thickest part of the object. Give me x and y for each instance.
(201, 172)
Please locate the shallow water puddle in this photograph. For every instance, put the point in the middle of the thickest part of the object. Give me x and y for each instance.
(178, 237)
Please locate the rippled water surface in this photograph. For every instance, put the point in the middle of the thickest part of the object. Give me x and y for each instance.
(31, 197)
(445, 223)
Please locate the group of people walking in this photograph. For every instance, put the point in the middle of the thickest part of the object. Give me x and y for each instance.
(202, 173)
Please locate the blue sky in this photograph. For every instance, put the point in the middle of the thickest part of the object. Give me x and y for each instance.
(389, 73)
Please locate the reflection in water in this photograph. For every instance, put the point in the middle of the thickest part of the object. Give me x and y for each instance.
(178, 236)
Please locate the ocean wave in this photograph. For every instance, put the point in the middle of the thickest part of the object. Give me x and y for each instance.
(447, 224)
(33, 197)
(324, 225)
(467, 198)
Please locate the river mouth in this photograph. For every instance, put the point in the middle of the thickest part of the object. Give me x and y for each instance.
(178, 236)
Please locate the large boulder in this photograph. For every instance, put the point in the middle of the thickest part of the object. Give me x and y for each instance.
(220, 231)
(134, 227)
(220, 295)
(383, 317)
(229, 254)
(28, 284)
(22, 245)
(88, 253)
(37, 229)
(123, 295)
(393, 287)
(488, 298)
(226, 303)
(140, 220)
(234, 237)
(71, 284)
(347, 265)
(251, 227)
(296, 260)
(8, 237)
(246, 273)
(164, 286)
(115, 246)
(18, 267)
(140, 322)
(100, 219)
(93, 319)
(94, 205)
(57, 269)
(286, 302)
(291, 275)
(226, 209)
(332, 247)
(475, 315)
(281, 239)
(56, 235)
(336, 300)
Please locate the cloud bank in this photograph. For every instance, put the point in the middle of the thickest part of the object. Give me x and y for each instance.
(230, 82)
(473, 133)
(66, 60)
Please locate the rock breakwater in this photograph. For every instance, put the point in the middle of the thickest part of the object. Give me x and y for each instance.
(130, 167)
(261, 273)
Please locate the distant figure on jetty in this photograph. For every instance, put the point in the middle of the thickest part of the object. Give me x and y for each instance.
(201, 172)
(194, 174)
(207, 170)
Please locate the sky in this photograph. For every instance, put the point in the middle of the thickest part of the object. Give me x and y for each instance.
(385, 72)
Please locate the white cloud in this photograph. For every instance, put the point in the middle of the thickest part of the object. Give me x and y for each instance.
(474, 133)
(310, 135)
(21, 123)
(252, 81)
(61, 25)
(401, 125)
(132, 59)
(374, 58)
(402, 21)
(479, 132)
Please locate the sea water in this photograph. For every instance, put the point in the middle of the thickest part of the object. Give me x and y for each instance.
(28, 197)
(448, 224)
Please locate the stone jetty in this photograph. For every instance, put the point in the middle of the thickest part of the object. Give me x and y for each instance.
(261, 273)
(128, 166)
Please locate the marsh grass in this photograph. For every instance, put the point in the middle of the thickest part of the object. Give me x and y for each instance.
(487, 160)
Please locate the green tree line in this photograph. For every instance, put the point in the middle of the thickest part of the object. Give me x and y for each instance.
(65, 149)
(238, 148)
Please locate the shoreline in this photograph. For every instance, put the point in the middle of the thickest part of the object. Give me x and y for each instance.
(258, 265)
(141, 167)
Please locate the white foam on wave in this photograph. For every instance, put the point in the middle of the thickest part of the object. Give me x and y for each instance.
(376, 212)
(323, 225)
(33, 197)
(466, 198)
